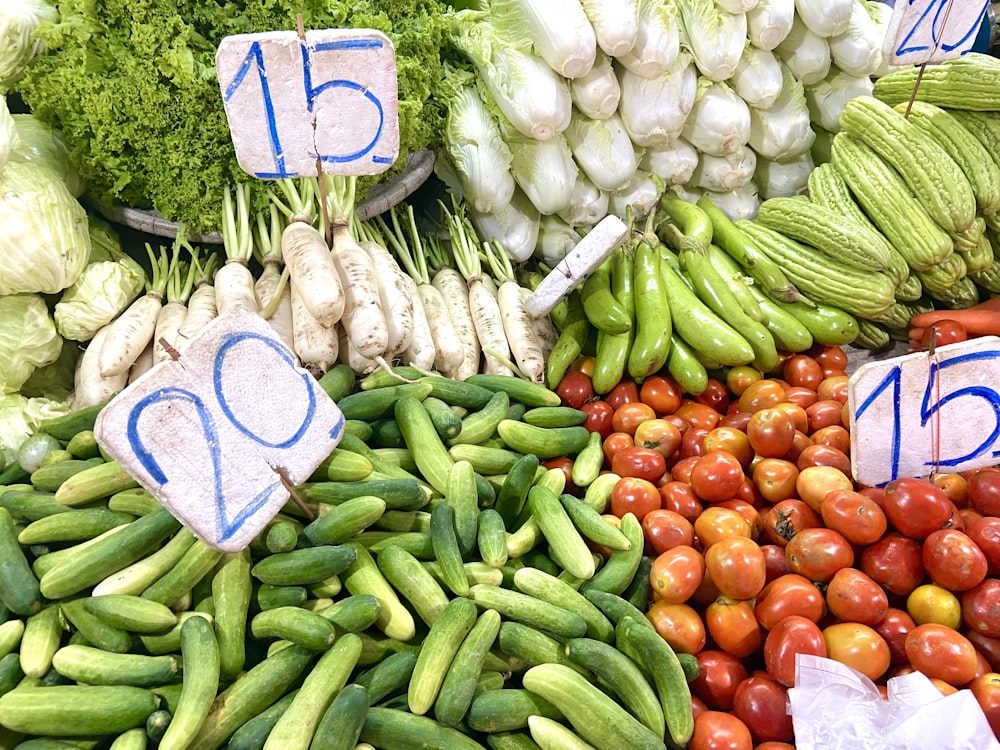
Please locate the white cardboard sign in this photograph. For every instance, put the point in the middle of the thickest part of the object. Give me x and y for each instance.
(922, 413)
(328, 99)
(217, 433)
(923, 31)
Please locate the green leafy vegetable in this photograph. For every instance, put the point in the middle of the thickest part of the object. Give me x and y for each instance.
(28, 339)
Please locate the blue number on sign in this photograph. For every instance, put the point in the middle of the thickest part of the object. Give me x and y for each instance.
(227, 526)
(255, 58)
(933, 15)
(893, 379)
(992, 398)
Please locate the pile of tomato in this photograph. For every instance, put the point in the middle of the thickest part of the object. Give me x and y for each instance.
(763, 547)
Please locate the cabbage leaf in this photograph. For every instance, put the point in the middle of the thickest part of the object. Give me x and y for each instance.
(28, 339)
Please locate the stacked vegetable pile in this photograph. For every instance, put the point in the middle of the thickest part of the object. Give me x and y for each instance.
(579, 109)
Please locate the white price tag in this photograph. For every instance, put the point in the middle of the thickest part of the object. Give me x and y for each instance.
(217, 433)
(923, 31)
(920, 413)
(331, 100)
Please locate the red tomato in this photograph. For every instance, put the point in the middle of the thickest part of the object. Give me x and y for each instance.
(893, 628)
(823, 413)
(719, 674)
(943, 332)
(823, 455)
(731, 440)
(575, 389)
(835, 436)
(952, 560)
(659, 435)
(801, 396)
(775, 479)
(736, 566)
(803, 371)
(748, 511)
(895, 563)
(915, 507)
(984, 491)
(717, 523)
(775, 562)
(785, 519)
(938, 651)
(662, 393)
(738, 379)
(986, 690)
(664, 529)
(801, 442)
(628, 417)
(626, 392)
(565, 465)
(680, 498)
(715, 395)
(819, 553)
(858, 518)
(858, 646)
(761, 703)
(833, 388)
(681, 471)
(981, 608)
(717, 730)
(762, 395)
(599, 415)
(643, 463)
(985, 646)
(829, 357)
(693, 442)
(791, 636)
(679, 625)
(797, 413)
(985, 532)
(771, 432)
(733, 627)
(615, 442)
(698, 415)
(716, 477)
(634, 495)
(788, 594)
(853, 596)
(676, 574)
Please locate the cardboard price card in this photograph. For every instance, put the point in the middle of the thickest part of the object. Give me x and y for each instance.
(220, 433)
(323, 102)
(923, 413)
(922, 31)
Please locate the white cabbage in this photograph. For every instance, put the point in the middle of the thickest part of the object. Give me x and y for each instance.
(42, 144)
(858, 51)
(555, 239)
(603, 150)
(103, 291)
(741, 203)
(21, 417)
(544, 170)
(673, 163)
(657, 42)
(721, 174)
(28, 339)
(784, 178)
(827, 98)
(825, 17)
(514, 226)
(719, 122)
(44, 242)
(757, 79)
(597, 93)
(784, 130)
(654, 110)
(716, 38)
(641, 194)
(806, 54)
(687, 192)
(559, 31)
(9, 139)
(737, 6)
(477, 150)
(588, 204)
(19, 46)
(616, 23)
(881, 14)
(525, 89)
(770, 22)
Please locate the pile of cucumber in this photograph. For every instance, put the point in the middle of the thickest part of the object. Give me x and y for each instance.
(432, 586)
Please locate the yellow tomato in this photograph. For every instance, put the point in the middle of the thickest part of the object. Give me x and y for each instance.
(931, 603)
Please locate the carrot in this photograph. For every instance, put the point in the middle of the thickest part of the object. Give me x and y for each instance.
(234, 282)
(980, 320)
(131, 331)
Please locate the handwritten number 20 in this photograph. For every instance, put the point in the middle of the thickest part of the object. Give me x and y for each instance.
(933, 16)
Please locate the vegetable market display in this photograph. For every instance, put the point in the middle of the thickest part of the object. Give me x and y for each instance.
(614, 525)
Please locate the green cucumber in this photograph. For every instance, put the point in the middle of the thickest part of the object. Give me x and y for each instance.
(64, 427)
(338, 381)
(400, 730)
(549, 588)
(554, 416)
(300, 626)
(534, 647)
(459, 685)
(409, 577)
(231, 590)
(528, 610)
(566, 545)
(521, 391)
(544, 442)
(482, 424)
(19, 589)
(397, 492)
(131, 613)
(76, 710)
(304, 566)
(437, 653)
(92, 666)
(364, 577)
(343, 521)
(352, 614)
(446, 422)
(375, 404)
(389, 677)
(507, 709)
(341, 724)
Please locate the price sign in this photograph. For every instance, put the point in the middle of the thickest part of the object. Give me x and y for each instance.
(920, 413)
(218, 434)
(923, 31)
(326, 101)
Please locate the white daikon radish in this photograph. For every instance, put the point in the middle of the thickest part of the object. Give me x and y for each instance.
(180, 281)
(518, 324)
(201, 309)
(234, 282)
(89, 386)
(274, 297)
